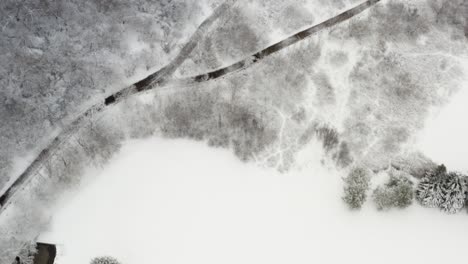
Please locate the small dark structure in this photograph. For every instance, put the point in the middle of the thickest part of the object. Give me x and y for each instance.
(45, 254)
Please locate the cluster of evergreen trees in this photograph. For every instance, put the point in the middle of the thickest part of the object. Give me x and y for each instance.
(439, 188)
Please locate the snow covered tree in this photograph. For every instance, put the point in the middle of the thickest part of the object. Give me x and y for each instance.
(428, 191)
(453, 189)
(104, 260)
(397, 192)
(446, 191)
(355, 188)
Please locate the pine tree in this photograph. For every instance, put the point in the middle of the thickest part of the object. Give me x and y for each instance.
(355, 189)
(443, 190)
(428, 192)
(453, 189)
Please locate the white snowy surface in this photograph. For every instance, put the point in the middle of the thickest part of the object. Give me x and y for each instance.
(177, 201)
(445, 138)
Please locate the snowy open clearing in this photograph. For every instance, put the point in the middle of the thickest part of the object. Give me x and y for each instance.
(445, 137)
(177, 201)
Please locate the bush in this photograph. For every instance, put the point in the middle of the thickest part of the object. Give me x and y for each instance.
(442, 189)
(414, 163)
(356, 186)
(396, 193)
(105, 260)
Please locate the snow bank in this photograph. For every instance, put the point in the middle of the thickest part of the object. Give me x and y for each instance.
(177, 201)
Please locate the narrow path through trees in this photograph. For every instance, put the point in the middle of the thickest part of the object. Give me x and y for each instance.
(158, 77)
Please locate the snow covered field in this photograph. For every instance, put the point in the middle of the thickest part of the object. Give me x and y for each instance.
(445, 138)
(178, 201)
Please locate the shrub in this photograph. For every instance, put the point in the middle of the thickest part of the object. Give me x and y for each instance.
(105, 260)
(355, 188)
(414, 163)
(397, 192)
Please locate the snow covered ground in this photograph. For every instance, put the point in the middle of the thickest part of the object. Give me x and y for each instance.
(445, 138)
(178, 201)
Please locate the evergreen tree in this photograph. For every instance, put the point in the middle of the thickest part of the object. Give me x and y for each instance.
(428, 191)
(453, 189)
(356, 186)
(443, 190)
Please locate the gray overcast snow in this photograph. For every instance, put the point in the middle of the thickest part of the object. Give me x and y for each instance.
(233, 131)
